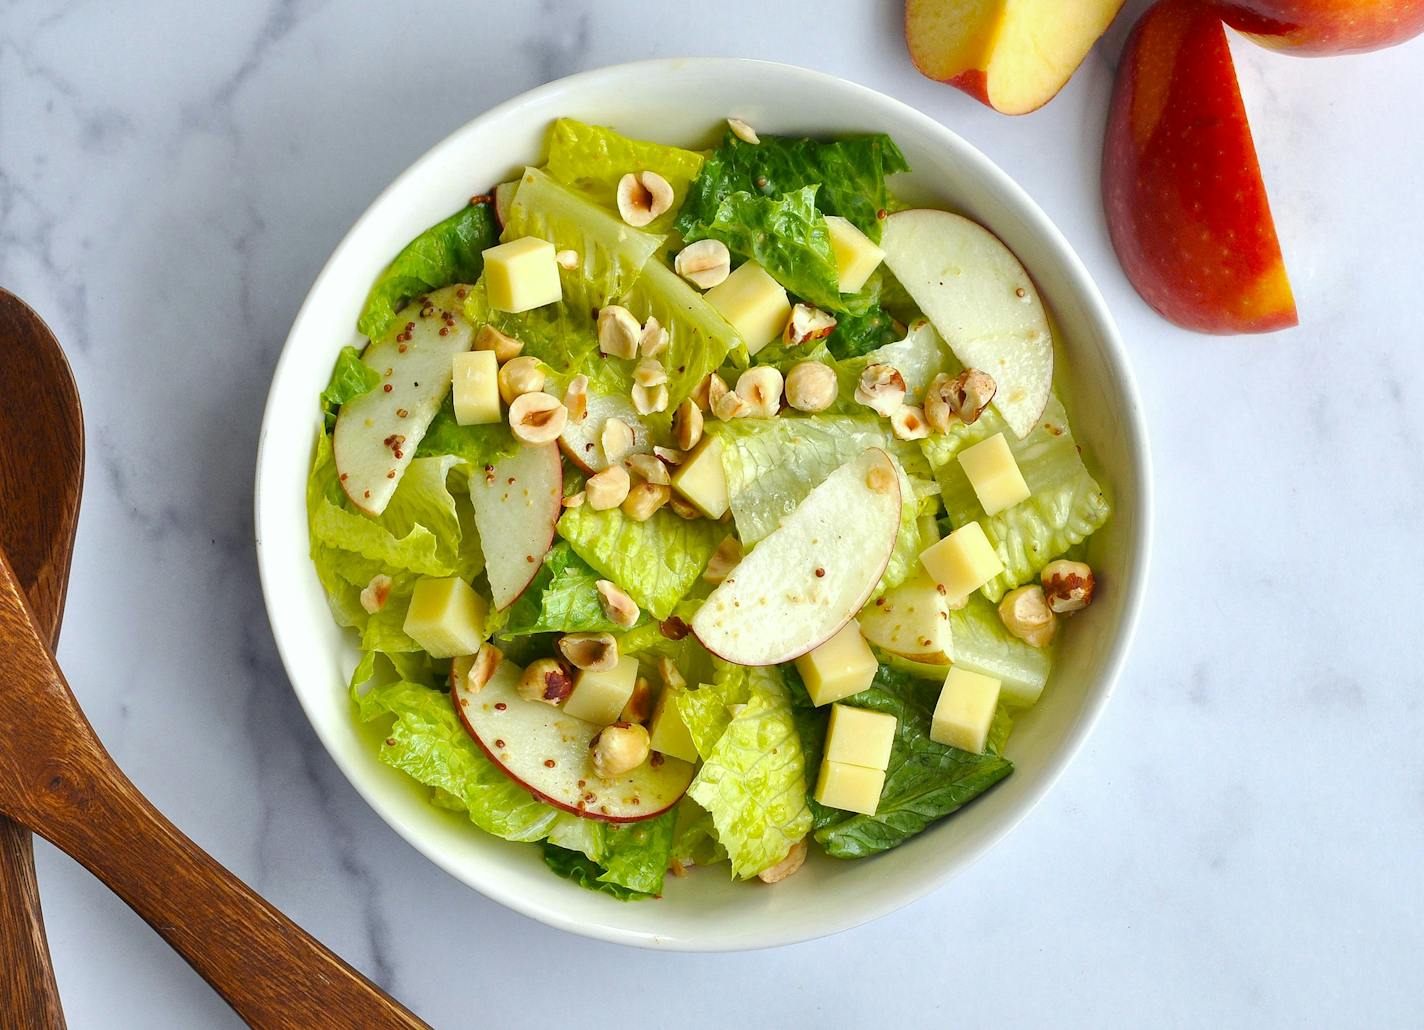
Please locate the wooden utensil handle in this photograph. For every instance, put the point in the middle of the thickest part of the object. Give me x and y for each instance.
(28, 993)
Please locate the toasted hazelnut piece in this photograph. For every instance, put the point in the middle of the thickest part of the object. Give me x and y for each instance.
(618, 332)
(670, 456)
(811, 386)
(807, 324)
(616, 438)
(649, 372)
(743, 131)
(723, 560)
(619, 749)
(687, 425)
(546, 680)
(760, 386)
(682, 509)
(639, 705)
(1025, 613)
(576, 398)
(592, 652)
(794, 860)
(536, 418)
(1068, 585)
(654, 339)
(699, 394)
(644, 499)
(482, 667)
(879, 479)
(908, 423)
(617, 605)
(567, 259)
(671, 676)
(648, 399)
(575, 500)
(608, 488)
(519, 376)
(725, 403)
(377, 592)
(506, 348)
(704, 264)
(648, 468)
(960, 398)
(939, 413)
(642, 196)
(881, 388)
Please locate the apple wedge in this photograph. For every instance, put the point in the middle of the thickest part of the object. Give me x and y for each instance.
(807, 578)
(503, 197)
(981, 300)
(1014, 55)
(1321, 28)
(582, 441)
(517, 503)
(910, 620)
(376, 434)
(547, 753)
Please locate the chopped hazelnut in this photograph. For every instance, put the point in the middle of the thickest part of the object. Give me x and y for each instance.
(536, 418)
(908, 423)
(881, 388)
(644, 499)
(592, 652)
(545, 680)
(642, 196)
(760, 387)
(617, 439)
(794, 860)
(617, 605)
(705, 264)
(608, 488)
(723, 560)
(811, 386)
(1026, 614)
(619, 749)
(505, 348)
(1068, 585)
(648, 468)
(519, 376)
(806, 325)
(618, 332)
(687, 425)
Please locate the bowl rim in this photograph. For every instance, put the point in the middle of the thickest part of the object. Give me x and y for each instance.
(1079, 282)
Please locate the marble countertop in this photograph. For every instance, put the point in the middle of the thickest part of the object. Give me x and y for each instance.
(1238, 844)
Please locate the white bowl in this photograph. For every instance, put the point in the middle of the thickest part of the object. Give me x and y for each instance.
(684, 101)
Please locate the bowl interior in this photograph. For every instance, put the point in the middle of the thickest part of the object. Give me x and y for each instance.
(684, 102)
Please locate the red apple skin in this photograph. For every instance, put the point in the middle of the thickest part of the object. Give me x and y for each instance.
(1319, 28)
(1186, 208)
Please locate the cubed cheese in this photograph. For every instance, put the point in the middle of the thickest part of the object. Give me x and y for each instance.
(962, 562)
(851, 788)
(522, 274)
(446, 617)
(838, 668)
(856, 256)
(599, 697)
(667, 732)
(858, 736)
(965, 710)
(701, 480)
(475, 390)
(754, 303)
(994, 474)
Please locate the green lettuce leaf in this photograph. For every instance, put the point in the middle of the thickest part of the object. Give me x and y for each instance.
(707, 710)
(981, 643)
(636, 855)
(592, 159)
(479, 445)
(350, 378)
(584, 871)
(864, 328)
(562, 599)
(448, 252)
(694, 840)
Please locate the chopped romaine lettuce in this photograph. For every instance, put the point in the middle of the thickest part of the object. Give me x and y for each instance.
(636, 855)
(707, 709)
(980, 642)
(592, 159)
(350, 378)
(694, 840)
(562, 599)
(479, 445)
(864, 328)
(585, 872)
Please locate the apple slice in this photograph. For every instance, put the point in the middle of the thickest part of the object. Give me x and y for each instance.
(582, 441)
(1312, 28)
(547, 753)
(982, 301)
(1014, 55)
(1186, 208)
(910, 620)
(517, 503)
(503, 197)
(807, 578)
(376, 434)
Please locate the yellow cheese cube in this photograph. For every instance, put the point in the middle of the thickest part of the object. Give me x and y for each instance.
(701, 480)
(522, 274)
(599, 697)
(838, 668)
(858, 736)
(667, 732)
(851, 788)
(475, 388)
(965, 710)
(754, 303)
(856, 256)
(962, 562)
(994, 474)
(446, 617)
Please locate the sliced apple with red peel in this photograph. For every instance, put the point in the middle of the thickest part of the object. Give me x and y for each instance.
(583, 440)
(1321, 28)
(1186, 208)
(809, 576)
(910, 620)
(503, 197)
(981, 300)
(517, 504)
(1014, 55)
(547, 753)
(376, 434)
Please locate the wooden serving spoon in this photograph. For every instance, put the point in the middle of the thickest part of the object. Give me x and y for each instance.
(57, 780)
(41, 479)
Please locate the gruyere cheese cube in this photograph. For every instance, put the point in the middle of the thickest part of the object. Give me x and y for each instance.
(701, 480)
(964, 710)
(962, 562)
(446, 617)
(858, 736)
(856, 256)
(851, 788)
(475, 388)
(667, 733)
(838, 668)
(599, 696)
(754, 303)
(522, 274)
(994, 474)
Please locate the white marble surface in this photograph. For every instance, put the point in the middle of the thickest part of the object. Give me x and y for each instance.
(1240, 843)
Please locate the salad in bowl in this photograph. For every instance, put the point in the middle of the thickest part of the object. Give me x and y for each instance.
(701, 508)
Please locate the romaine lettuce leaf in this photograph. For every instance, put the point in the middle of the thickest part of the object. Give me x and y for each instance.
(636, 855)
(585, 872)
(980, 642)
(694, 840)
(350, 378)
(707, 709)
(479, 445)
(860, 331)
(592, 159)
(562, 599)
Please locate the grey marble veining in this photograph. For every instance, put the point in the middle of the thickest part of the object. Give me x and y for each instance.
(1239, 843)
